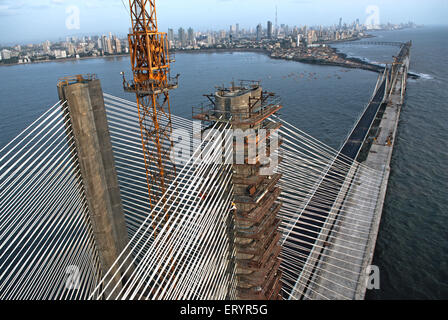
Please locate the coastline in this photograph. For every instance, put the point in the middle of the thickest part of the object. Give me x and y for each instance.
(349, 62)
(360, 64)
(366, 65)
(63, 60)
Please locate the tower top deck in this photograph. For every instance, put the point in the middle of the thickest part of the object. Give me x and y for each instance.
(246, 104)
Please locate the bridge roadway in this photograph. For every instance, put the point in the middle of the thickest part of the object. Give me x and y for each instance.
(323, 205)
(315, 215)
(322, 213)
(376, 43)
(354, 143)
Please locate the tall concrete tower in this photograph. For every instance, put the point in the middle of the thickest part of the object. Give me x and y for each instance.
(93, 147)
(276, 21)
(255, 223)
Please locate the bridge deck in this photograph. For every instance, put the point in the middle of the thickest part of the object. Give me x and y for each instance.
(350, 182)
(334, 177)
(353, 286)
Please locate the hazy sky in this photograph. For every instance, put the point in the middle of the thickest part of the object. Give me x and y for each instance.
(24, 21)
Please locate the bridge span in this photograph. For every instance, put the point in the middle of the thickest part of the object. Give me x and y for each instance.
(339, 267)
(376, 43)
(75, 221)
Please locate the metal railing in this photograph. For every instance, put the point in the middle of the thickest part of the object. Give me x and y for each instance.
(208, 111)
(65, 81)
(145, 86)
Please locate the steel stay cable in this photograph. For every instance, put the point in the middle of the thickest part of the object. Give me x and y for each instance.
(171, 186)
(170, 228)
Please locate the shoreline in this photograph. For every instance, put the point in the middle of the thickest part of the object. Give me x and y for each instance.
(350, 62)
(226, 50)
(63, 60)
(361, 64)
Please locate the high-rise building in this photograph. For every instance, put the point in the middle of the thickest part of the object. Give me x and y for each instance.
(340, 23)
(237, 29)
(117, 45)
(190, 36)
(299, 40)
(70, 49)
(259, 32)
(60, 54)
(182, 37)
(210, 40)
(109, 46)
(312, 37)
(6, 54)
(170, 35)
(46, 46)
(276, 21)
(106, 44)
(269, 29)
(103, 42)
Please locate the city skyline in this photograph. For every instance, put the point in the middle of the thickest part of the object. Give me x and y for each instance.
(308, 41)
(21, 21)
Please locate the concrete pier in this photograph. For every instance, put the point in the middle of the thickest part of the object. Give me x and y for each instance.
(94, 153)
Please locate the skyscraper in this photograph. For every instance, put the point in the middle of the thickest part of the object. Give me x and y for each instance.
(299, 39)
(276, 21)
(46, 46)
(117, 45)
(182, 37)
(259, 31)
(170, 35)
(109, 46)
(269, 29)
(190, 36)
(106, 44)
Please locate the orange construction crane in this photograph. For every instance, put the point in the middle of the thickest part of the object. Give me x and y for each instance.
(152, 82)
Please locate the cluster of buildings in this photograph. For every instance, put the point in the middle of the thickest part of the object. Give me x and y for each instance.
(270, 37)
(261, 36)
(234, 37)
(305, 44)
(72, 47)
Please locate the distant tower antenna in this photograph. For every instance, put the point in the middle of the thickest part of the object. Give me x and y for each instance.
(276, 21)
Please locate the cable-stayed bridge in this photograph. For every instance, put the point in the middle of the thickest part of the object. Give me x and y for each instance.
(55, 234)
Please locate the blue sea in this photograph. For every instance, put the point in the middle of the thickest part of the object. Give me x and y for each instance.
(412, 247)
